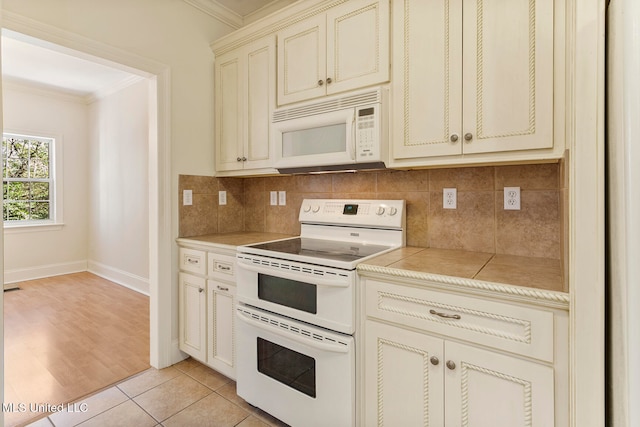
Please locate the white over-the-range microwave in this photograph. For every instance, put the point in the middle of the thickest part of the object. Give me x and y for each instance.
(342, 132)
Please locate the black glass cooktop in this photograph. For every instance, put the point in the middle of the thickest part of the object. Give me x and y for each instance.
(325, 249)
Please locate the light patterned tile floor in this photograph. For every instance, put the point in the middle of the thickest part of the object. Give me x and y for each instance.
(184, 395)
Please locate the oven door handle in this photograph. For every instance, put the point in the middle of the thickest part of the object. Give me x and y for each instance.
(320, 281)
(335, 348)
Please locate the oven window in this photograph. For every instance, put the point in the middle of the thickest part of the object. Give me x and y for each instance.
(289, 367)
(289, 293)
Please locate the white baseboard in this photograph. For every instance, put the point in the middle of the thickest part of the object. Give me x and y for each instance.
(121, 277)
(40, 271)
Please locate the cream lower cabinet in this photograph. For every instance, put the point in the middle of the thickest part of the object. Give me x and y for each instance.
(207, 300)
(222, 303)
(435, 358)
(415, 379)
(193, 315)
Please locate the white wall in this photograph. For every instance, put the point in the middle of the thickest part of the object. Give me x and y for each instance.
(623, 309)
(171, 33)
(119, 188)
(42, 253)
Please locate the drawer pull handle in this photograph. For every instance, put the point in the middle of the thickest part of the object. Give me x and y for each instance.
(220, 288)
(193, 260)
(224, 267)
(445, 315)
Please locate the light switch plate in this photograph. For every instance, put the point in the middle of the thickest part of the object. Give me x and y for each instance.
(222, 197)
(187, 197)
(282, 198)
(273, 197)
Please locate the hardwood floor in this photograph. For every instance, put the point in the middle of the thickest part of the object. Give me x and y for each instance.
(68, 336)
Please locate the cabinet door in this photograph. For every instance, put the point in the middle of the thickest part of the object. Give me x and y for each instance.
(260, 101)
(302, 60)
(486, 389)
(193, 315)
(508, 75)
(357, 44)
(229, 111)
(222, 321)
(427, 78)
(402, 386)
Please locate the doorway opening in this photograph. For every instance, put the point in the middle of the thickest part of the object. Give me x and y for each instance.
(158, 180)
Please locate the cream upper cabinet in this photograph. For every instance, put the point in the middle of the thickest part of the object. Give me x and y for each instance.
(244, 100)
(345, 48)
(472, 77)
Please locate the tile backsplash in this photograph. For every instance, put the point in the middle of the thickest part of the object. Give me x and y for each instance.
(478, 224)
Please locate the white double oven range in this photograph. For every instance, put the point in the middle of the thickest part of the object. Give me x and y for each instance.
(297, 310)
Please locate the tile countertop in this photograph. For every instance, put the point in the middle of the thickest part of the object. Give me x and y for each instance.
(535, 277)
(232, 240)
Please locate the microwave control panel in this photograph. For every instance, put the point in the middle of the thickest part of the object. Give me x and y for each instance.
(367, 133)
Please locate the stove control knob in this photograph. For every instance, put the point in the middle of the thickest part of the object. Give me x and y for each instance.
(316, 209)
(393, 211)
(307, 208)
(380, 210)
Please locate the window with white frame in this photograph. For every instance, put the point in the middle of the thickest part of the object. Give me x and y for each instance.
(28, 179)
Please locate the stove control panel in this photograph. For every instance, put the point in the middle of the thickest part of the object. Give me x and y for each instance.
(366, 213)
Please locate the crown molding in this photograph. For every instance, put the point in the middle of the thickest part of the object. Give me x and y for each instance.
(215, 9)
(233, 19)
(111, 89)
(18, 85)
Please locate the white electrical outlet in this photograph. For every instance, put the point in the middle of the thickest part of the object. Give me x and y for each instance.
(511, 198)
(273, 198)
(187, 197)
(449, 198)
(282, 198)
(222, 198)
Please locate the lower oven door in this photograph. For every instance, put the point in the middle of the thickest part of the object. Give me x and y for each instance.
(322, 296)
(303, 375)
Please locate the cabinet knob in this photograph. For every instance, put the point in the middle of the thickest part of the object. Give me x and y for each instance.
(238, 159)
(320, 82)
(201, 290)
(468, 136)
(451, 364)
(329, 80)
(454, 138)
(244, 159)
(434, 360)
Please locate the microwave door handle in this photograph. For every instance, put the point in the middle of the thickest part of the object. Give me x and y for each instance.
(335, 348)
(352, 142)
(320, 281)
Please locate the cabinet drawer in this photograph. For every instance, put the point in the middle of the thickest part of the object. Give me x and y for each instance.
(522, 330)
(222, 267)
(193, 260)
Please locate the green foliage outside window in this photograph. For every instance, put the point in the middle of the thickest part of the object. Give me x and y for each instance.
(26, 178)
